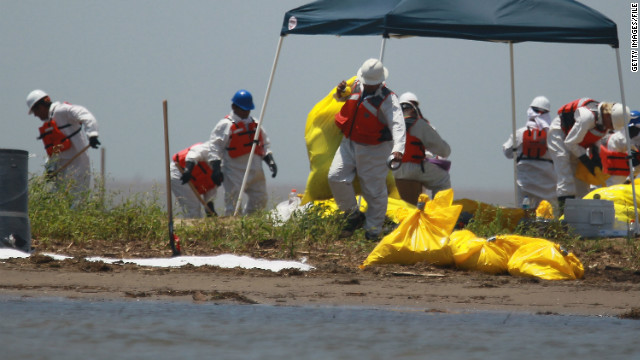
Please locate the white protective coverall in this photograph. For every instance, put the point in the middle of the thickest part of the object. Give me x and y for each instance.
(191, 206)
(368, 162)
(433, 177)
(233, 169)
(618, 142)
(565, 152)
(536, 178)
(78, 117)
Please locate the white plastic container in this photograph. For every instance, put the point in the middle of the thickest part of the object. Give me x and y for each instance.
(590, 217)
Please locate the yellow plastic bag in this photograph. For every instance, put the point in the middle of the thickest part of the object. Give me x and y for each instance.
(474, 253)
(485, 213)
(421, 236)
(323, 137)
(545, 261)
(597, 179)
(544, 210)
(397, 209)
(622, 197)
(511, 243)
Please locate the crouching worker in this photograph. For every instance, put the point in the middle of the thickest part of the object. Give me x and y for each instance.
(191, 179)
(613, 153)
(229, 150)
(373, 127)
(579, 125)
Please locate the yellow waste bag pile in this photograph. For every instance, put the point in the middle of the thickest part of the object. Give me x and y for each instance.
(426, 236)
(323, 137)
(622, 197)
(396, 209)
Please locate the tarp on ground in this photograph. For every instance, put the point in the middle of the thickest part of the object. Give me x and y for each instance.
(488, 20)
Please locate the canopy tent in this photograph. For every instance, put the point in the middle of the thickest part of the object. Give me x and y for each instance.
(509, 21)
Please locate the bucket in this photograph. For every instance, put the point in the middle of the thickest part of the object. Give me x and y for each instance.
(15, 231)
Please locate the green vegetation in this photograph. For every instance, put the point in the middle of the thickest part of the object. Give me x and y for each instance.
(141, 221)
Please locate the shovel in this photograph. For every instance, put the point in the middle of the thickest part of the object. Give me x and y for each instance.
(58, 170)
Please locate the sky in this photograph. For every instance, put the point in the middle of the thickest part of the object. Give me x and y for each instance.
(122, 58)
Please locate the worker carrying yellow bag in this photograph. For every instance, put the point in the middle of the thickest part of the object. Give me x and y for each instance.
(422, 236)
(323, 137)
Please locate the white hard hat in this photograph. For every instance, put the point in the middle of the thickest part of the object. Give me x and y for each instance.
(618, 117)
(408, 97)
(33, 98)
(372, 72)
(541, 102)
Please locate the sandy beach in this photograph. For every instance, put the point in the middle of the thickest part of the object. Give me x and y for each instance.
(606, 290)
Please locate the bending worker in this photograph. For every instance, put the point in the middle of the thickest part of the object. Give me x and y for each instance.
(579, 125)
(229, 148)
(613, 152)
(190, 171)
(425, 150)
(67, 131)
(373, 127)
(536, 177)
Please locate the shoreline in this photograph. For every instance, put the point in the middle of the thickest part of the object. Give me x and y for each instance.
(416, 288)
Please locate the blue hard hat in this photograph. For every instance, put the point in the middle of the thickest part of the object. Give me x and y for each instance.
(635, 118)
(243, 100)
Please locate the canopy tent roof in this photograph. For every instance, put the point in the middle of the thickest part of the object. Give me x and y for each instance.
(489, 20)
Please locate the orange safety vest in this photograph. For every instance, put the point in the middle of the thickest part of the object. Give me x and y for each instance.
(414, 150)
(534, 144)
(614, 162)
(567, 118)
(358, 118)
(55, 141)
(201, 174)
(241, 139)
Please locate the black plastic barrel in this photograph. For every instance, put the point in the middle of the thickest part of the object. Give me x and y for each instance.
(15, 231)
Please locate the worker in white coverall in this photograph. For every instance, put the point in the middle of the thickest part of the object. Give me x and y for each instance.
(613, 152)
(229, 149)
(425, 152)
(536, 177)
(66, 131)
(579, 125)
(190, 171)
(373, 127)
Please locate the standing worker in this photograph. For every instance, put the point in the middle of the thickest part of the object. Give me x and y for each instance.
(536, 177)
(66, 133)
(373, 127)
(229, 150)
(613, 152)
(190, 170)
(425, 151)
(579, 125)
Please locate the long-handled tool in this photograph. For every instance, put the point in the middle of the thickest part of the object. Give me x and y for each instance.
(174, 241)
(58, 170)
(195, 192)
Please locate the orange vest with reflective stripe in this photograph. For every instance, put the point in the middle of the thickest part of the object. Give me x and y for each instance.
(241, 139)
(614, 162)
(534, 144)
(358, 118)
(55, 141)
(201, 174)
(414, 150)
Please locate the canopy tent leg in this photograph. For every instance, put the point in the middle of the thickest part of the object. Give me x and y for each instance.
(384, 42)
(257, 135)
(628, 140)
(513, 126)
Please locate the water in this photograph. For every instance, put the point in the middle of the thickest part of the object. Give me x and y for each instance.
(53, 328)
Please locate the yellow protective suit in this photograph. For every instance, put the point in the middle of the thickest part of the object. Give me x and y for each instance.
(597, 179)
(423, 235)
(323, 137)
